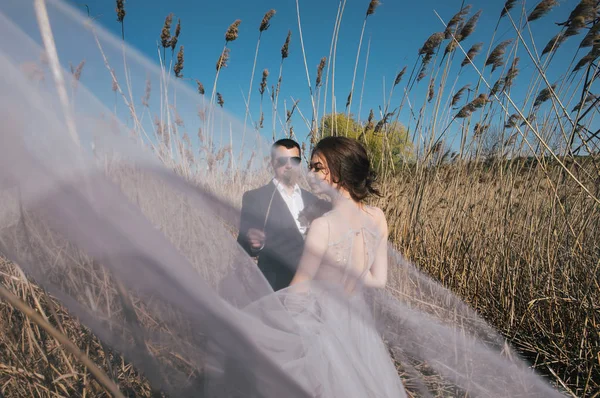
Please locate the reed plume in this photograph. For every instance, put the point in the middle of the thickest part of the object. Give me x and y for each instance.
(589, 98)
(223, 59)
(285, 49)
(115, 84)
(399, 76)
(541, 9)
(186, 139)
(232, 33)
(428, 49)
(498, 86)
(452, 45)
(459, 94)
(261, 90)
(177, 118)
(507, 7)
(472, 106)
(320, 67)
(496, 57)
(512, 73)
(591, 37)
(263, 82)
(174, 39)
(582, 14)
(147, 92)
(220, 100)
(590, 57)
(479, 129)
(265, 23)
(480, 101)
(456, 21)
(432, 43)
(430, 91)
(290, 112)
(381, 124)
(165, 34)
(471, 54)
(187, 152)
(554, 43)
(76, 72)
(162, 132)
(179, 64)
(543, 96)
(200, 87)
(512, 120)
(202, 113)
(529, 119)
(372, 7)
(370, 125)
(575, 26)
(120, 9)
(469, 26)
(200, 135)
(423, 71)
(285, 52)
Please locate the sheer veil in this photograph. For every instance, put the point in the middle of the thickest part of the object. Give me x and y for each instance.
(120, 189)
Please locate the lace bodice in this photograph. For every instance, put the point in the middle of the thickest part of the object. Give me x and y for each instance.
(353, 237)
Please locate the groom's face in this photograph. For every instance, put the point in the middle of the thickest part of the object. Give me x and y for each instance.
(286, 164)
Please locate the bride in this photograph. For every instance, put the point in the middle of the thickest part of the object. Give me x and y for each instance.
(342, 354)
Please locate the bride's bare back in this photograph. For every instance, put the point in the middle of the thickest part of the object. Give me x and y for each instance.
(347, 245)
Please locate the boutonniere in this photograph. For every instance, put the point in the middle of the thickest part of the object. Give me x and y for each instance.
(312, 212)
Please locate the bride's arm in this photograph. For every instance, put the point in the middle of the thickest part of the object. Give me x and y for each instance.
(377, 275)
(314, 250)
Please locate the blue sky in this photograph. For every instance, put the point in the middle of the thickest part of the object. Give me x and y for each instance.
(397, 30)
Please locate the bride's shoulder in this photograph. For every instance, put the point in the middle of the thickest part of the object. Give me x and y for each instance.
(378, 217)
(319, 228)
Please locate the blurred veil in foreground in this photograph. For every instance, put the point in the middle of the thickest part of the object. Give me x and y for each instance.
(119, 187)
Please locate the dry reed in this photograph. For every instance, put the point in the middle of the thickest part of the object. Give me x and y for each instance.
(223, 59)
(507, 7)
(543, 8)
(120, 10)
(179, 64)
(471, 54)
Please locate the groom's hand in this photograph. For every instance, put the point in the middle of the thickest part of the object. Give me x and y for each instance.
(256, 238)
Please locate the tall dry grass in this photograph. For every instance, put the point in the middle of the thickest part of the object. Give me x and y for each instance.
(526, 257)
(35, 364)
(509, 221)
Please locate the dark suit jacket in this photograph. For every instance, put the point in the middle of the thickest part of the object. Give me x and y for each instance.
(279, 258)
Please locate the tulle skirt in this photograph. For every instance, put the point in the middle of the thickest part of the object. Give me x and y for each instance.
(330, 345)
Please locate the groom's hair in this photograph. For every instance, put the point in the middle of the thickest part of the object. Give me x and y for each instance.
(349, 165)
(287, 143)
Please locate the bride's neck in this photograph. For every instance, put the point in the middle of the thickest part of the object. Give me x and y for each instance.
(343, 199)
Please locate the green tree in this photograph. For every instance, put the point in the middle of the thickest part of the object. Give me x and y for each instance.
(388, 144)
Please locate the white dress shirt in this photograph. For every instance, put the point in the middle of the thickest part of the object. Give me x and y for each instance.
(294, 202)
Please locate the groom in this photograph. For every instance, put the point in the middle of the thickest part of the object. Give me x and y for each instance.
(269, 226)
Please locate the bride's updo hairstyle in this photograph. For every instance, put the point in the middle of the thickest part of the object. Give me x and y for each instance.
(349, 165)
